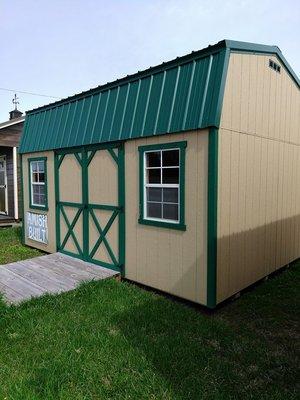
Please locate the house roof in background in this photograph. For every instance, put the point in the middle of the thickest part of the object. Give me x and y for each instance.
(12, 122)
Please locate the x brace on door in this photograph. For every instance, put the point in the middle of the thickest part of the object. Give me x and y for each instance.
(87, 211)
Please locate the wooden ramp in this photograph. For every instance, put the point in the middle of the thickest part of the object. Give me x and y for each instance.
(53, 273)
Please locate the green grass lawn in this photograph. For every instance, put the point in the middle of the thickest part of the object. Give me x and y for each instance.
(11, 249)
(113, 340)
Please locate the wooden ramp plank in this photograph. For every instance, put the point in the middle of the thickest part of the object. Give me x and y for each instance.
(18, 283)
(49, 285)
(53, 273)
(10, 295)
(47, 272)
(62, 268)
(83, 265)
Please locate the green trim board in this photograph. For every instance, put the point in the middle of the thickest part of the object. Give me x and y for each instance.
(161, 224)
(84, 156)
(223, 74)
(89, 149)
(85, 198)
(57, 163)
(212, 195)
(121, 206)
(31, 205)
(212, 201)
(180, 225)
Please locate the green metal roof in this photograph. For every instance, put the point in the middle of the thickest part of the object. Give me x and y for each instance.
(180, 95)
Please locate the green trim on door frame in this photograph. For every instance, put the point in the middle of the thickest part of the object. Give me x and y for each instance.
(35, 207)
(163, 146)
(57, 163)
(87, 208)
(212, 202)
(85, 199)
(90, 147)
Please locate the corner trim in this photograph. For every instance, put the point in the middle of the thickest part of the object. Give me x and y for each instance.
(212, 197)
(222, 88)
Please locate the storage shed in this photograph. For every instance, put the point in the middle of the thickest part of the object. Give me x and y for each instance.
(185, 177)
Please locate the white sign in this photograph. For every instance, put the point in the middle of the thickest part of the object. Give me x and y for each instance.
(37, 227)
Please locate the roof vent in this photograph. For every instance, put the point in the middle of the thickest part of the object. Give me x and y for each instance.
(274, 65)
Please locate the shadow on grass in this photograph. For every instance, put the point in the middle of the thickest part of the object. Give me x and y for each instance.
(228, 354)
(111, 340)
(189, 350)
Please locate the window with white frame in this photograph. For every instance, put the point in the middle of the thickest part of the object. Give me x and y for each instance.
(162, 185)
(162, 171)
(38, 183)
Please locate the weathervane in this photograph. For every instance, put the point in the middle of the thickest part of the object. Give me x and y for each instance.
(15, 101)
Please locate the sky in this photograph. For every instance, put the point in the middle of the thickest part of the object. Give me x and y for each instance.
(62, 47)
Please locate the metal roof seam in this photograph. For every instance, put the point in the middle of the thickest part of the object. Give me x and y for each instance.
(183, 94)
(185, 59)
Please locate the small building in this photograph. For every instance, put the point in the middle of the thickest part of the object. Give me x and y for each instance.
(10, 189)
(185, 177)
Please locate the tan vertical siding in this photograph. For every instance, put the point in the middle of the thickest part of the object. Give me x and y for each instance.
(103, 179)
(70, 190)
(259, 173)
(260, 101)
(70, 180)
(51, 246)
(170, 260)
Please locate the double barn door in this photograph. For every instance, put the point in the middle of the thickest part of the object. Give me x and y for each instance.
(90, 204)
